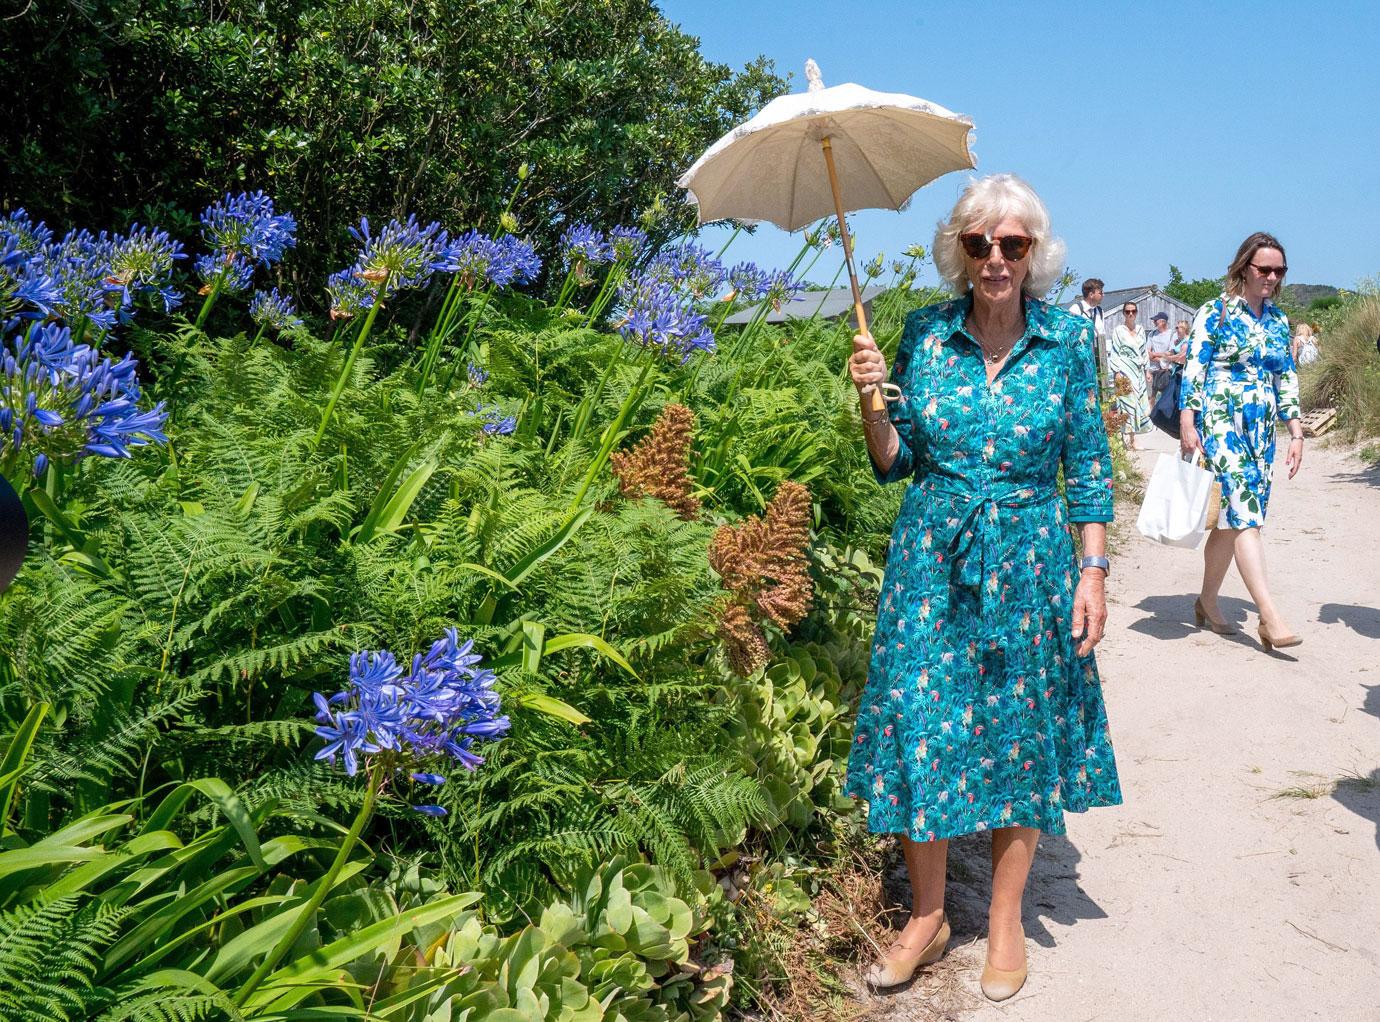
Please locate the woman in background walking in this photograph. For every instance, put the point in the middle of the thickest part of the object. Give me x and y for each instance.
(1129, 362)
(1305, 345)
(1239, 377)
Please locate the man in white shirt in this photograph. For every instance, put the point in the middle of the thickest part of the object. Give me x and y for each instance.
(1166, 352)
(1090, 307)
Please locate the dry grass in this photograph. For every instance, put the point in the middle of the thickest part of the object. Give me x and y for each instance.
(1347, 374)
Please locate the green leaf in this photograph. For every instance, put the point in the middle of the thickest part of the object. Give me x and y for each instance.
(390, 517)
(570, 639)
(533, 640)
(551, 706)
(16, 753)
(386, 495)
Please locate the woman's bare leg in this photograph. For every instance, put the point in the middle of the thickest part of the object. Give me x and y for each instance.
(1250, 561)
(1217, 556)
(1013, 850)
(926, 862)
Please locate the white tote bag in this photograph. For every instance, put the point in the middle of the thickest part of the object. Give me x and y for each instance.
(1181, 503)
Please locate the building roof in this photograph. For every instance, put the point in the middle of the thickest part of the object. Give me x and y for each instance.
(1111, 299)
(826, 304)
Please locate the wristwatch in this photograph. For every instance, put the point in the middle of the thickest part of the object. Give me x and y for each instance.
(1094, 561)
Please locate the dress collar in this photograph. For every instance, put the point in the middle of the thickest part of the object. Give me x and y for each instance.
(1037, 325)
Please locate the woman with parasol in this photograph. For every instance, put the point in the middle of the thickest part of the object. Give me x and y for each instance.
(983, 709)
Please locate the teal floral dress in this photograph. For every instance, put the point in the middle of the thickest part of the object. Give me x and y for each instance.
(978, 713)
(1239, 377)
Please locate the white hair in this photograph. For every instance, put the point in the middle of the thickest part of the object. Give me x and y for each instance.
(985, 203)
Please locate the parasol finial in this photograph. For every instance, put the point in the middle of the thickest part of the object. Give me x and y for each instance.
(812, 75)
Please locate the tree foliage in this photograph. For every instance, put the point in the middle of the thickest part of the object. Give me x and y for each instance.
(1193, 293)
(114, 110)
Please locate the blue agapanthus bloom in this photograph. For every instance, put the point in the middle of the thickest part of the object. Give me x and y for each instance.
(246, 228)
(627, 243)
(782, 288)
(403, 254)
(275, 311)
(234, 272)
(435, 711)
(30, 237)
(747, 283)
(657, 315)
(689, 268)
(478, 377)
(582, 246)
(61, 401)
(495, 422)
(141, 263)
(81, 265)
(27, 289)
(502, 261)
(350, 294)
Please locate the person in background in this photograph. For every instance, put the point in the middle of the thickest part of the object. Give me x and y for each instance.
(1305, 345)
(1126, 358)
(1090, 307)
(1239, 378)
(1166, 353)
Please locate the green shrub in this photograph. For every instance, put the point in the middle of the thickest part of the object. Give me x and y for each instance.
(1347, 373)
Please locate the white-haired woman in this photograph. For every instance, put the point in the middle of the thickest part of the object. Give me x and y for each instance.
(983, 709)
(1239, 378)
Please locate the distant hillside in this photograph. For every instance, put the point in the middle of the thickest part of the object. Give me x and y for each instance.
(1300, 295)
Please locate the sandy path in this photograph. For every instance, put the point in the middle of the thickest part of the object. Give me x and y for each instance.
(1206, 896)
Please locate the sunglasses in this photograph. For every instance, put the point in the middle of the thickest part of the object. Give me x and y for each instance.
(1014, 247)
(1270, 271)
(1128, 312)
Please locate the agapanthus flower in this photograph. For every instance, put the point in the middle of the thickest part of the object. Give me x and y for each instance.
(81, 265)
(350, 294)
(627, 243)
(403, 254)
(503, 261)
(62, 401)
(438, 710)
(495, 422)
(478, 376)
(141, 263)
(655, 314)
(875, 267)
(688, 268)
(247, 229)
(781, 288)
(275, 311)
(30, 237)
(747, 283)
(582, 246)
(27, 290)
(233, 271)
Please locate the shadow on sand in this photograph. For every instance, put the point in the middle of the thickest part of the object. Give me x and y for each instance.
(1171, 617)
(1361, 794)
(1361, 620)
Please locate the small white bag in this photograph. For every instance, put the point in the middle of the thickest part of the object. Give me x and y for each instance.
(1181, 505)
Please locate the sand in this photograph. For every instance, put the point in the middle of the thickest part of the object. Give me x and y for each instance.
(1241, 878)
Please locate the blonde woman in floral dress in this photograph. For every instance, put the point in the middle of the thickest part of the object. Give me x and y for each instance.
(1239, 378)
(1129, 360)
(983, 709)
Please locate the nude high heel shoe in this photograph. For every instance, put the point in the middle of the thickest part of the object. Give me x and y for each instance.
(1201, 617)
(893, 969)
(999, 984)
(1277, 641)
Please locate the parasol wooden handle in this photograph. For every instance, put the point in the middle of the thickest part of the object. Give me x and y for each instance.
(870, 392)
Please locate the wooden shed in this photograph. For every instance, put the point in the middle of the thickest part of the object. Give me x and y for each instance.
(1149, 299)
(827, 304)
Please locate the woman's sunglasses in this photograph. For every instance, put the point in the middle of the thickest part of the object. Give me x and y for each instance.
(1128, 312)
(1014, 247)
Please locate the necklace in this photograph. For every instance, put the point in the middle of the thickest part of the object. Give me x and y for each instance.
(988, 357)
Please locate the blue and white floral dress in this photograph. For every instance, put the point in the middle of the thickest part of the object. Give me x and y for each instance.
(1239, 377)
(978, 713)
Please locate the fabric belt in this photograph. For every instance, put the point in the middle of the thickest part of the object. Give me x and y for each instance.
(973, 548)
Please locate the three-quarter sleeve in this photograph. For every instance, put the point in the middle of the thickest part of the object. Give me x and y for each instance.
(1287, 385)
(1192, 389)
(903, 465)
(1087, 458)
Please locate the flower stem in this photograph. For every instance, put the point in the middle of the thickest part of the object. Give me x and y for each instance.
(210, 300)
(308, 911)
(349, 364)
(259, 336)
(611, 435)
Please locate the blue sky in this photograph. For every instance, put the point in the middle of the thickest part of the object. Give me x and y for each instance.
(1157, 133)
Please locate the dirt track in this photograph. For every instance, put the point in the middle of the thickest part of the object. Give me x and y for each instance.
(1241, 878)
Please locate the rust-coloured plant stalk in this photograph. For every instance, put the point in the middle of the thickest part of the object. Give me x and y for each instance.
(659, 465)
